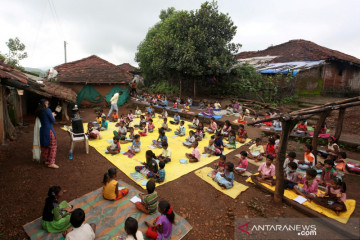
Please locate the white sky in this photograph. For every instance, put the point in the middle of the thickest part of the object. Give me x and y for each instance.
(112, 29)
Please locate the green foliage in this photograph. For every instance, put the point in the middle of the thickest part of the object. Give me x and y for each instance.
(358, 148)
(322, 141)
(308, 141)
(301, 148)
(188, 44)
(247, 82)
(164, 88)
(16, 52)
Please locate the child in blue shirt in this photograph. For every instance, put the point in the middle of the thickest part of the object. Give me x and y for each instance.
(135, 147)
(162, 138)
(160, 175)
(104, 124)
(176, 119)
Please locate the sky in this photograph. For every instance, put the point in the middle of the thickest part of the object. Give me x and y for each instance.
(112, 29)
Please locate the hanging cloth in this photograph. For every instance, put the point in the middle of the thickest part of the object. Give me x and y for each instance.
(122, 97)
(89, 93)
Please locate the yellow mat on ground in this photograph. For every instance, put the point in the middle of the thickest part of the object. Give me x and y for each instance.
(232, 192)
(173, 169)
(343, 217)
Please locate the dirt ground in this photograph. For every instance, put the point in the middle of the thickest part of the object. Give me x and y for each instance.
(24, 185)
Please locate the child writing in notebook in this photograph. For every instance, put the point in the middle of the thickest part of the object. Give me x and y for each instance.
(195, 155)
(114, 148)
(243, 163)
(225, 179)
(136, 145)
(150, 167)
(220, 165)
(181, 130)
(149, 201)
(161, 227)
(111, 190)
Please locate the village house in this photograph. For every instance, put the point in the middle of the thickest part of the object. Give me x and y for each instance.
(316, 69)
(93, 79)
(19, 95)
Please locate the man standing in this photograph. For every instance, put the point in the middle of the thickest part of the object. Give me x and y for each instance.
(113, 102)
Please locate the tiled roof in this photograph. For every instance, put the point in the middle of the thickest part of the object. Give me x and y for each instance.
(127, 67)
(91, 70)
(299, 50)
(13, 77)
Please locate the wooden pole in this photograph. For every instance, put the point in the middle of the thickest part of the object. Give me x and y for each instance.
(339, 124)
(287, 127)
(317, 130)
(64, 114)
(2, 123)
(194, 87)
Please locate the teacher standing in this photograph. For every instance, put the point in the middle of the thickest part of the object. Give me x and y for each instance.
(47, 134)
(114, 106)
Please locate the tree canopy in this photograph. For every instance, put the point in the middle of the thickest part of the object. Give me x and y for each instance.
(188, 44)
(16, 52)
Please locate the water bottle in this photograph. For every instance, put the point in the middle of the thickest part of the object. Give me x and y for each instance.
(70, 155)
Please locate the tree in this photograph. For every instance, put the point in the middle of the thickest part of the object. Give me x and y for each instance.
(188, 45)
(16, 52)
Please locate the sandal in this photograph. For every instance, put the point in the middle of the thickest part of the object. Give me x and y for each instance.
(53, 166)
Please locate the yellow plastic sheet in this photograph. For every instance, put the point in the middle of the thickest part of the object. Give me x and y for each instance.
(232, 192)
(173, 169)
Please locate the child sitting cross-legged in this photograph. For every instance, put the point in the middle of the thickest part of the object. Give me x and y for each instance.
(161, 227)
(310, 187)
(138, 113)
(165, 155)
(161, 139)
(151, 126)
(195, 122)
(291, 176)
(114, 148)
(309, 158)
(210, 149)
(256, 150)
(176, 119)
(165, 126)
(181, 130)
(56, 215)
(130, 137)
(80, 231)
(334, 197)
(130, 116)
(121, 132)
(195, 155)
(136, 145)
(199, 135)
(104, 124)
(190, 140)
(340, 161)
(219, 145)
(266, 171)
(243, 163)
(160, 175)
(144, 131)
(114, 116)
(111, 190)
(220, 165)
(242, 134)
(232, 140)
(150, 167)
(212, 127)
(149, 201)
(225, 179)
(328, 172)
(290, 158)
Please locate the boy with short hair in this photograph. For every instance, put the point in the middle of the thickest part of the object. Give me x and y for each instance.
(114, 148)
(80, 231)
(149, 201)
(165, 155)
(181, 130)
(290, 158)
(195, 155)
(160, 175)
(256, 150)
(266, 171)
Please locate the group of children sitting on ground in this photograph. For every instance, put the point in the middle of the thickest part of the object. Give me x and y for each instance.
(61, 217)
